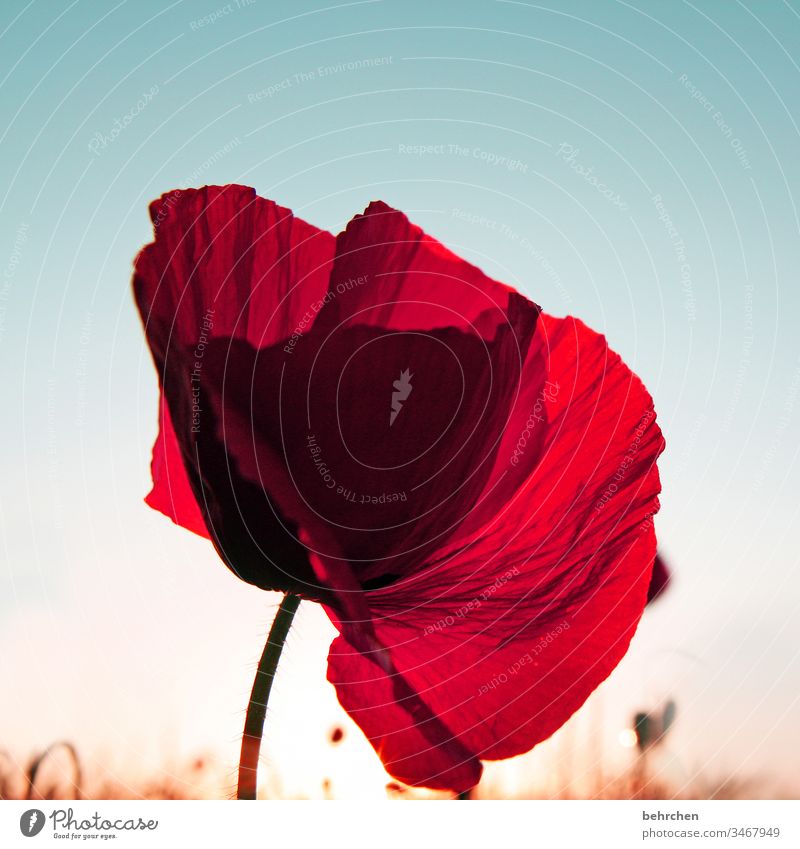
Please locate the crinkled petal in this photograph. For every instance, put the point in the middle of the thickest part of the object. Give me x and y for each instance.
(467, 485)
(508, 634)
(309, 429)
(226, 270)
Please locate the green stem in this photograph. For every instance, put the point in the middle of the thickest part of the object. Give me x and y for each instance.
(257, 707)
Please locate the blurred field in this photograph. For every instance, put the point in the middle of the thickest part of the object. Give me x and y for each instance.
(57, 773)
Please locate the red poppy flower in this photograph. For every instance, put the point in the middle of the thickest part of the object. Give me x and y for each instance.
(466, 483)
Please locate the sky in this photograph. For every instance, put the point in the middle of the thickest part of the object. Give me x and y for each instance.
(633, 164)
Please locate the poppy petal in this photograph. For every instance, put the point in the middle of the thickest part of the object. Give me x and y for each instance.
(226, 270)
(226, 249)
(508, 635)
(172, 493)
(306, 426)
(393, 472)
(484, 546)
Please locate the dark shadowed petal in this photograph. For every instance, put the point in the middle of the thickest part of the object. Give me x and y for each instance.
(227, 269)
(467, 485)
(506, 635)
(358, 434)
(393, 406)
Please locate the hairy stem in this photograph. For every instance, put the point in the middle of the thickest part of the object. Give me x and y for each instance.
(257, 707)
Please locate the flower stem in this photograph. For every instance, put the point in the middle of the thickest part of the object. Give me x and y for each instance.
(257, 707)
